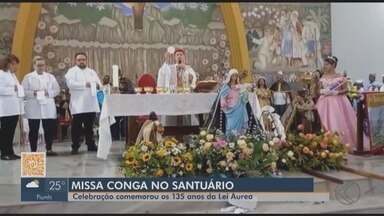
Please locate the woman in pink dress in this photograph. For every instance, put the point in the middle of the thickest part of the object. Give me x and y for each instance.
(335, 111)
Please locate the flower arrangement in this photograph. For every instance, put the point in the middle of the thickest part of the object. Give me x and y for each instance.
(233, 155)
(213, 153)
(168, 158)
(323, 151)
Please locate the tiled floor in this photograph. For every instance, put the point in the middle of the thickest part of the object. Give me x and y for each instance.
(87, 165)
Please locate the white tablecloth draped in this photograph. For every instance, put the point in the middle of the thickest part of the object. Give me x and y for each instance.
(162, 104)
(137, 105)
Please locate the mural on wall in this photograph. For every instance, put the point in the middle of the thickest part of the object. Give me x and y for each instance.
(8, 15)
(293, 37)
(132, 35)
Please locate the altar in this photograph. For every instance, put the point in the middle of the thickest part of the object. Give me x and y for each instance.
(142, 105)
(163, 104)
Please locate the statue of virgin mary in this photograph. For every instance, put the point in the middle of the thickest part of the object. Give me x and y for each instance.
(231, 113)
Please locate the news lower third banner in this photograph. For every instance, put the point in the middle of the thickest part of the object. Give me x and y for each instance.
(159, 189)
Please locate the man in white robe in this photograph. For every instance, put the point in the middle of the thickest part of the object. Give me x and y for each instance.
(83, 83)
(164, 74)
(11, 105)
(183, 76)
(40, 90)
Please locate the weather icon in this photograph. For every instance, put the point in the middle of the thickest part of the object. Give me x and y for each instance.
(33, 184)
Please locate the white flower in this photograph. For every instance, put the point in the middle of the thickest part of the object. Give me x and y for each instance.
(199, 166)
(215, 67)
(49, 39)
(205, 61)
(212, 41)
(284, 161)
(265, 147)
(271, 143)
(222, 44)
(215, 56)
(210, 137)
(227, 53)
(61, 65)
(290, 154)
(176, 151)
(241, 142)
(51, 55)
(276, 140)
(41, 25)
(223, 37)
(231, 145)
(273, 165)
(202, 141)
(67, 60)
(53, 29)
(38, 48)
(203, 133)
(144, 148)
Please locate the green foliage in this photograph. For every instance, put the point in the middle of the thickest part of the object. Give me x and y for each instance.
(86, 14)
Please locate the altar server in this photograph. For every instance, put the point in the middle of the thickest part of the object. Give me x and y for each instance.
(41, 88)
(83, 83)
(11, 105)
(164, 74)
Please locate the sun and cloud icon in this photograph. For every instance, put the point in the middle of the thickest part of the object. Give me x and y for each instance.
(33, 184)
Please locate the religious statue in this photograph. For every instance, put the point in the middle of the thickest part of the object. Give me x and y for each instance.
(151, 131)
(231, 112)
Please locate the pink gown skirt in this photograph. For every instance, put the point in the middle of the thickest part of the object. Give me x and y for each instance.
(337, 115)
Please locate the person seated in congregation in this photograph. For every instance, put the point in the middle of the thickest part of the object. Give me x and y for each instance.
(151, 131)
(231, 112)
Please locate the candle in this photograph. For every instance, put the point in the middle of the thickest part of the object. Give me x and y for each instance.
(115, 76)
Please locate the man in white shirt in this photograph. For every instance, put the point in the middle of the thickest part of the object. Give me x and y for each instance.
(372, 84)
(11, 105)
(280, 97)
(40, 90)
(83, 84)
